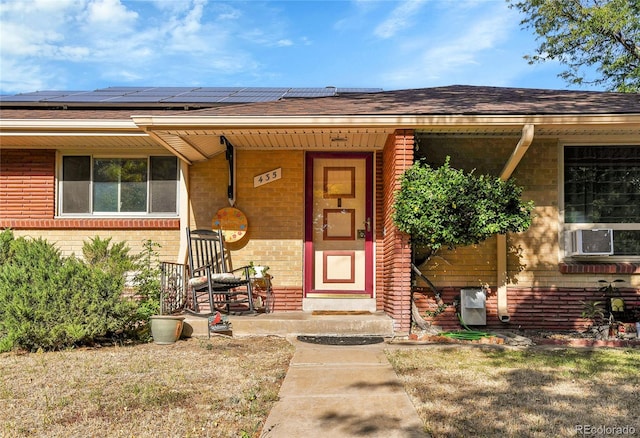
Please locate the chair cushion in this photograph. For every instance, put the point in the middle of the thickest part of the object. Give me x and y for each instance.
(224, 278)
(198, 281)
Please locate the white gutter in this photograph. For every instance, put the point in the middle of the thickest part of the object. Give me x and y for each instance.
(67, 124)
(502, 277)
(394, 121)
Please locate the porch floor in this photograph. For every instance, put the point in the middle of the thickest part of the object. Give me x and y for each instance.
(298, 323)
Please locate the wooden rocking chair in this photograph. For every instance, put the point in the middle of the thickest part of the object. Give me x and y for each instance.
(214, 285)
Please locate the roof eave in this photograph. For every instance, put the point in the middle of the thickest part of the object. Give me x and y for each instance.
(383, 121)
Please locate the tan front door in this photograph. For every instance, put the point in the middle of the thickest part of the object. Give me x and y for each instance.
(339, 227)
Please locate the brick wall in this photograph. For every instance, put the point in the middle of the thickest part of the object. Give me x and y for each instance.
(543, 292)
(70, 241)
(379, 227)
(27, 206)
(27, 183)
(530, 308)
(274, 211)
(396, 271)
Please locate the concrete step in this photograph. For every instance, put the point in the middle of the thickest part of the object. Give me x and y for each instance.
(298, 323)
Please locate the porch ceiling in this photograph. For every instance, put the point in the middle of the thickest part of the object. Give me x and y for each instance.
(198, 145)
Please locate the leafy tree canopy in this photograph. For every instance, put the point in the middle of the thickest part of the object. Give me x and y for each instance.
(448, 207)
(579, 33)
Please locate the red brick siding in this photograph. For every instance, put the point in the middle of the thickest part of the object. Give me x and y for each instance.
(379, 236)
(90, 224)
(27, 197)
(530, 308)
(27, 183)
(397, 156)
(287, 299)
(600, 268)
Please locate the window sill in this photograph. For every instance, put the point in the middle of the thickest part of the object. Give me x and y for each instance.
(599, 268)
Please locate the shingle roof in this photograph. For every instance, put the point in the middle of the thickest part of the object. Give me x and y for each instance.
(457, 99)
(451, 100)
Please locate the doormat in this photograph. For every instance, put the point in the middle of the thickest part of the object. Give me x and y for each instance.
(340, 312)
(341, 340)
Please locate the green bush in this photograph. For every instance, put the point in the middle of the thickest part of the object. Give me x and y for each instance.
(48, 301)
(448, 207)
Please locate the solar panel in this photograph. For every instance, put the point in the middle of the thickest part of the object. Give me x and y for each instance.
(135, 98)
(194, 99)
(37, 96)
(247, 99)
(166, 91)
(252, 93)
(359, 90)
(309, 93)
(159, 95)
(86, 97)
(220, 89)
(264, 89)
(205, 93)
(121, 89)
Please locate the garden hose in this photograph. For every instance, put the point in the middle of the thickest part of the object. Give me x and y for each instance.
(467, 334)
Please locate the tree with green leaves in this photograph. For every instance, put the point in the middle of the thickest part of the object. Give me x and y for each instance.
(604, 34)
(446, 207)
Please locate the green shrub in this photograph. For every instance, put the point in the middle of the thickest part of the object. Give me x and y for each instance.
(51, 302)
(448, 207)
(109, 257)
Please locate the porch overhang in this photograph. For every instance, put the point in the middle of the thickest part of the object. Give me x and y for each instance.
(196, 138)
(74, 134)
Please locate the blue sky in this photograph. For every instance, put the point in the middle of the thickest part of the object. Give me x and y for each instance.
(90, 44)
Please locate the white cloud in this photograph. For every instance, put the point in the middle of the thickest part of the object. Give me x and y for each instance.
(111, 13)
(455, 51)
(400, 19)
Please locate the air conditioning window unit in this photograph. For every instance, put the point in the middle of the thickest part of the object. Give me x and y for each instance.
(592, 242)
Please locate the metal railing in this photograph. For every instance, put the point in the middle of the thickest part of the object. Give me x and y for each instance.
(173, 288)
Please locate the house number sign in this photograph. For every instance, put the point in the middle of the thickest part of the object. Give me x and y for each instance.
(267, 177)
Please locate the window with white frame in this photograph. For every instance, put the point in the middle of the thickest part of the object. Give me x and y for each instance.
(107, 185)
(602, 189)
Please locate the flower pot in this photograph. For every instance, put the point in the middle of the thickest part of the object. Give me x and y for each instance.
(166, 329)
(260, 271)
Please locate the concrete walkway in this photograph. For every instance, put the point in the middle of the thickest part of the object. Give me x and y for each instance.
(341, 391)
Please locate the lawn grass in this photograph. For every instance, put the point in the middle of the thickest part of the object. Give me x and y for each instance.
(465, 391)
(221, 387)
(225, 387)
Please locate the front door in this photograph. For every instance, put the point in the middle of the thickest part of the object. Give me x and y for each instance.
(338, 230)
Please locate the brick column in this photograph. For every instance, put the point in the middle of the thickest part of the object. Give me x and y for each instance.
(396, 255)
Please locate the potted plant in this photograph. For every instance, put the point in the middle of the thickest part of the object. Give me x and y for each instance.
(600, 324)
(258, 271)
